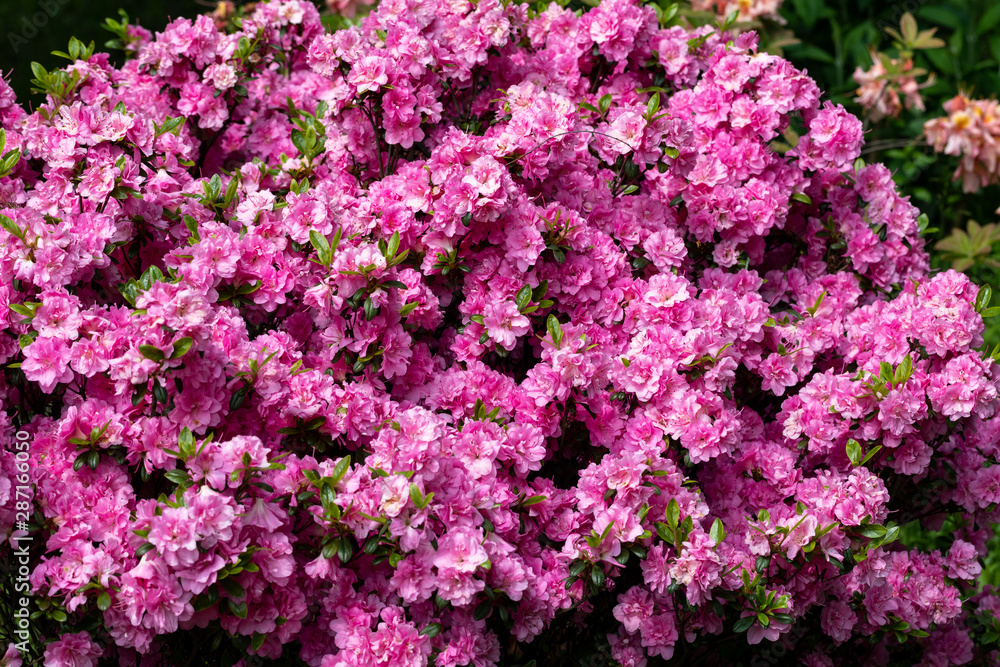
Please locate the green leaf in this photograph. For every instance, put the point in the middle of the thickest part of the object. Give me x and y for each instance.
(393, 246)
(604, 103)
(854, 451)
(339, 470)
(555, 330)
(81, 460)
(239, 609)
(538, 294)
(523, 298)
(665, 532)
(819, 302)
(257, 640)
(673, 513)
(104, 601)
(803, 198)
(483, 610)
(25, 309)
(652, 106)
(417, 497)
(744, 624)
(903, 371)
(941, 15)
(143, 549)
(186, 444)
(873, 530)
(233, 588)
(181, 347)
(989, 20)
(236, 400)
(151, 352)
(885, 372)
(533, 500)
(730, 20)
(717, 532)
(870, 454)
(432, 630)
(11, 227)
(234, 183)
(983, 298)
(322, 246)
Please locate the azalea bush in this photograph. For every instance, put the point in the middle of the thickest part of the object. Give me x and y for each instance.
(478, 334)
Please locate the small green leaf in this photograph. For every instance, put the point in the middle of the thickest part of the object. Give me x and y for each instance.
(555, 330)
(873, 530)
(854, 451)
(717, 532)
(744, 624)
(432, 630)
(803, 198)
(322, 246)
(870, 454)
(604, 103)
(885, 372)
(239, 609)
(152, 353)
(523, 298)
(343, 465)
(983, 298)
(652, 106)
(181, 347)
(393, 246)
(236, 400)
(186, 444)
(104, 601)
(903, 371)
(673, 513)
(11, 227)
(233, 588)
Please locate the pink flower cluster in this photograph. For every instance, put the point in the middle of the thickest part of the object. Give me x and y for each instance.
(747, 10)
(879, 90)
(971, 131)
(419, 342)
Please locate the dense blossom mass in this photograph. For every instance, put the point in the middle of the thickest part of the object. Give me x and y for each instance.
(474, 332)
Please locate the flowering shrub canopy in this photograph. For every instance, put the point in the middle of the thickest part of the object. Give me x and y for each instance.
(426, 341)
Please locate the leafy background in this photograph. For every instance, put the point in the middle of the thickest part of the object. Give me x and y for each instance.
(80, 18)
